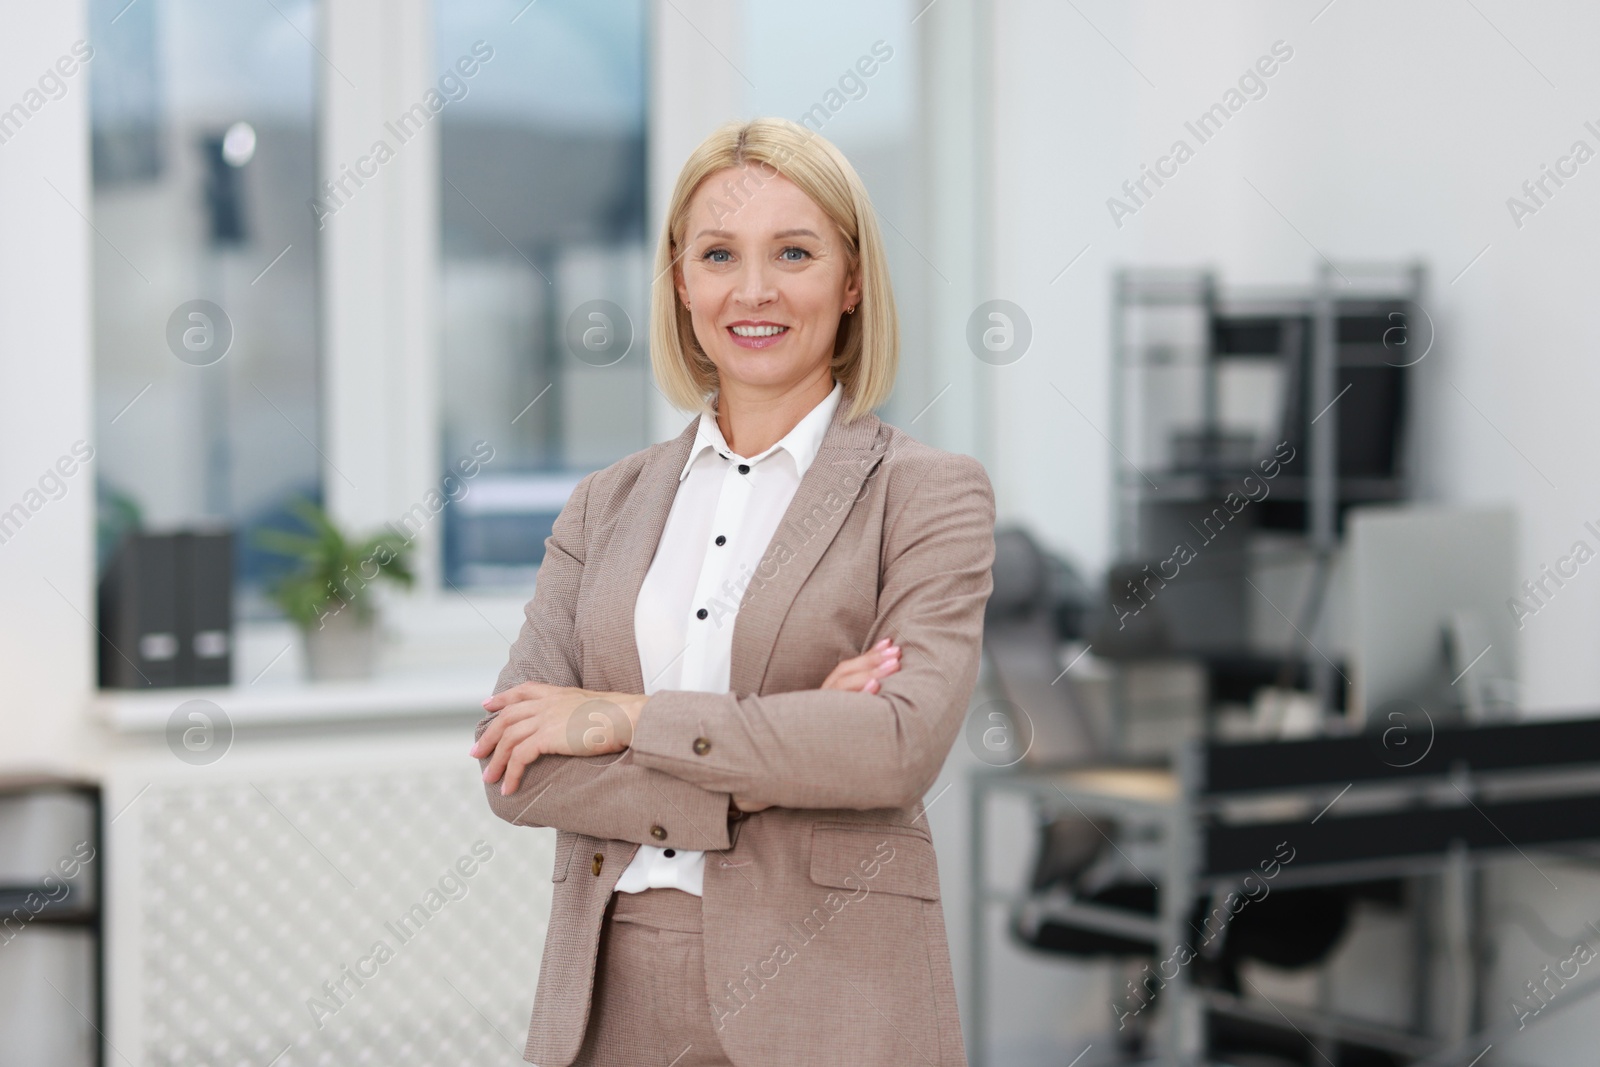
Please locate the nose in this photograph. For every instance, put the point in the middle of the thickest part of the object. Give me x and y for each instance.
(755, 287)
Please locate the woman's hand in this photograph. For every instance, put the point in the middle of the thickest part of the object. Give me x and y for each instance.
(536, 720)
(862, 673)
(857, 674)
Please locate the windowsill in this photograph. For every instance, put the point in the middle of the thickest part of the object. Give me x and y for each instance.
(385, 696)
(436, 657)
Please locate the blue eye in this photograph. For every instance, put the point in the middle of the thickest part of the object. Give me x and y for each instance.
(791, 248)
(709, 254)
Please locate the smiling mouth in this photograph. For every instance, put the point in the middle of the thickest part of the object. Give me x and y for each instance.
(758, 331)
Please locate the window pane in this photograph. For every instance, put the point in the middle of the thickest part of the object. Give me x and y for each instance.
(203, 134)
(545, 265)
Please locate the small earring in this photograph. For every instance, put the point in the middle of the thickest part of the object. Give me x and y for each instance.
(851, 310)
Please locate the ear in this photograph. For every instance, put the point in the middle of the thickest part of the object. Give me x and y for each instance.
(679, 284)
(852, 288)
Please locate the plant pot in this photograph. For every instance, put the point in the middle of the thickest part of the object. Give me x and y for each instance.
(343, 646)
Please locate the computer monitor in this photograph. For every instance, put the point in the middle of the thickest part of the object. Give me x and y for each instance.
(1430, 624)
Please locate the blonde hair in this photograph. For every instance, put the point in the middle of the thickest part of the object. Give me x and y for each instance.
(866, 352)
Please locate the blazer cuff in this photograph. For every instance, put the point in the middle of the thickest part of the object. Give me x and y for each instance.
(671, 733)
(690, 817)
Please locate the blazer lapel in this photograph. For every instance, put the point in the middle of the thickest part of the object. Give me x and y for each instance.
(650, 502)
(848, 456)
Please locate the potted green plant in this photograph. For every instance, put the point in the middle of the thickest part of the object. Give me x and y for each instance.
(328, 595)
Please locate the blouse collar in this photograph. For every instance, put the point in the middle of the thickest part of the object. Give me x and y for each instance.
(802, 442)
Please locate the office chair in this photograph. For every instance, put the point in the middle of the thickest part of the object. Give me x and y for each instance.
(1037, 603)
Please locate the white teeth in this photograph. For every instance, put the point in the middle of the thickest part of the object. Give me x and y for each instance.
(757, 331)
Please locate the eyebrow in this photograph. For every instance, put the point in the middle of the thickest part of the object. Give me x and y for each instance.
(725, 235)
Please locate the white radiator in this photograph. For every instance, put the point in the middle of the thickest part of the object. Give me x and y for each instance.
(320, 902)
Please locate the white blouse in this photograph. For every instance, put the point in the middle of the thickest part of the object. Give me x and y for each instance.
(723, 517)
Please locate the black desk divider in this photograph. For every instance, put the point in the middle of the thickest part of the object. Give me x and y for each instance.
(1412, 824)
(1419, 751)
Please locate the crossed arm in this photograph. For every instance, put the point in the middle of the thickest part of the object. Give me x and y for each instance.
(874, 736)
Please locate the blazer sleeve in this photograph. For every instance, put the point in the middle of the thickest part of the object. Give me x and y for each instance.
(611, 796)
(822, 748)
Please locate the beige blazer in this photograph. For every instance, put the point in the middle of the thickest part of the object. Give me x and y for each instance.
(824, 936)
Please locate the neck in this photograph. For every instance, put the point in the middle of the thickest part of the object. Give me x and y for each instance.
(751, 423)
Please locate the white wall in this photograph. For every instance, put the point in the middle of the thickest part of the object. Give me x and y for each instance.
(1394, 131)
(46, 567)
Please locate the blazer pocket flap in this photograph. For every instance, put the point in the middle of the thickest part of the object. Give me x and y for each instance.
(566, 841)
(888, 859)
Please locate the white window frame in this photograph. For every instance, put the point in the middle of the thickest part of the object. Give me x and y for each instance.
(379, 271)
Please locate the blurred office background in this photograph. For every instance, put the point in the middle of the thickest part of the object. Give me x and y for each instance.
(392, 262)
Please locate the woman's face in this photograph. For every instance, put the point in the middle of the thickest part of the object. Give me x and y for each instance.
(765, 276)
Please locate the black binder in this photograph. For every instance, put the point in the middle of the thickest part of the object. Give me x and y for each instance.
(166, 611)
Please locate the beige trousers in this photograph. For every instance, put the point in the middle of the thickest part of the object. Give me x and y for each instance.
(649, 1002)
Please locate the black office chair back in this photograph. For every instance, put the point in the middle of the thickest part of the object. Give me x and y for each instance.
(1023, 644)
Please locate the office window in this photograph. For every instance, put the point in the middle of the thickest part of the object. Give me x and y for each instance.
(545, 266)
(203, 127)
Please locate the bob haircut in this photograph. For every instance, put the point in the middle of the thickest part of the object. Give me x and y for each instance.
(866, 352)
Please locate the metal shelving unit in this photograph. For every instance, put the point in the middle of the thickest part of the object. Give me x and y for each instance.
(81, 907)
(1213, 385)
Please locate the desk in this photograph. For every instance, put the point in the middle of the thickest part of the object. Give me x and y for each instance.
(1135, 796)
(1353, 808)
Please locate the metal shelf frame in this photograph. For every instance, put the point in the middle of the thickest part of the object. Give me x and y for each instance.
(1336, 291)
(91, 916)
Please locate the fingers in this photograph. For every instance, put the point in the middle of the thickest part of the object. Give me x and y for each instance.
(861, 673)
(506, 751)
(490, 736)
(882, 662)
(509, 712)
(496, 751)
(521, 756)
(517, 694)
(882, 647)
(864, 662)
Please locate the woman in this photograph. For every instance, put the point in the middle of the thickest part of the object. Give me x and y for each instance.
(743, 869)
